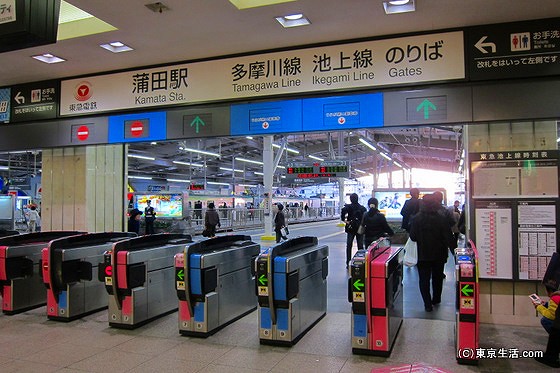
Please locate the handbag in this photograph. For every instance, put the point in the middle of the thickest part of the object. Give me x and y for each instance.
(411, 253)
(206, 232)
(361, 229)
(284, 231)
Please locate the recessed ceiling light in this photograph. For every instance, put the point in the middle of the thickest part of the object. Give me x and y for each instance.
(398, 2)
(245, 4)
(293, 20)
(399, 6)
(116, 47)
(48, 58)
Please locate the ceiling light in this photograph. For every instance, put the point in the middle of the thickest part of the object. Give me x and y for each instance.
(281, 167)
(247, 185)
(360, 171)
(397, 164)
(293, 20)
(139, 177)
(248, 160)
(385, 156)
(116, 47)
(317, 158)
(231, 169)
(286, 148)
(366, 143)
(200, 151)
(188, 164)
(249, 137)
(244, 4)
(179, 180)
(48, 58)
(141, 157)
(399, 6)
(258, 173)
(217, 183)
(5, 168)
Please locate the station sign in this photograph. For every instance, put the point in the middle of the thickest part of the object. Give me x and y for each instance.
(137, 127)
(34, 101)
(199, 122)
(514, 50)
(343, 112)
(317, 170)
(4, 105)
(266, 118)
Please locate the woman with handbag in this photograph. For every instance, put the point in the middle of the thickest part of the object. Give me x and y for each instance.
(374, 224)
(279, 223)
(211, 221)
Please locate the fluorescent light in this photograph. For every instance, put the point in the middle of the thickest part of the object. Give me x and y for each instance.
(317, 158)
(398, 2)
(5, 168)
(216, 183)
(286, 148)
(247, 185)
(153, 143)
(293, 20)
(141, 157)
(385, 156)
(116, 47)
(281, 167)
(249, 137)
(200, 151)
(258, 173)
(363, 141)
(399, 6)
(188, 164)
(231, 169)
(360, 171)
(397, 164)
(558, 139)
(179, 180)
(245, 4)
(48, 58)
(248, 160)
(139, 177)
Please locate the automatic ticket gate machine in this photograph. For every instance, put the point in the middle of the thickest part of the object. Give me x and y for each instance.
(376, 293)
(138, 274)
(467, 315)
(69, 265)
(21, 285)
(215, 283)
(291, 282)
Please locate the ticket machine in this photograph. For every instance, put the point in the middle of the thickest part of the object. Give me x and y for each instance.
(467, 315)
(215, 283)
(376, 293)
(138, 274)
(291, 285)
(21, 285)
(69, 265)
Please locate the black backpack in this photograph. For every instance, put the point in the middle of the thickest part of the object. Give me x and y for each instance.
(354, 217)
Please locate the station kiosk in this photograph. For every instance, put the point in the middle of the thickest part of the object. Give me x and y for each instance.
(215, 283)
(69, 265)
(138, 274)
(467, 315)
(291, 282)
(21, 285)
(376, 293)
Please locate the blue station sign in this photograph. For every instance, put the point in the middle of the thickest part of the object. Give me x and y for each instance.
(266, 118)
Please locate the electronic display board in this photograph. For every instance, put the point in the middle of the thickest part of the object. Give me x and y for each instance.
(317, 169)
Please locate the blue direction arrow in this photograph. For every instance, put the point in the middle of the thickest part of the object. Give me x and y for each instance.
(426, 105)
(197, 122)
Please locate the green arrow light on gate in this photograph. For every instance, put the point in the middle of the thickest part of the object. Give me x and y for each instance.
(197, 122)
(426, 105)
(263, 280)
(467, 290)
(358, 284)
(181, 274)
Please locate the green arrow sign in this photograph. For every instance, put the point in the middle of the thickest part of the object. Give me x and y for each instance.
(181, 274)
(467, 290)
(426, 105)
(263, 280)
(358, 284)
(197, 122)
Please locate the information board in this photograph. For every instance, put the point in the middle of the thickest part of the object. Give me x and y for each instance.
(317, 170)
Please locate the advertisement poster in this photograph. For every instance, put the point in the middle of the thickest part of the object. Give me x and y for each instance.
(166, 205)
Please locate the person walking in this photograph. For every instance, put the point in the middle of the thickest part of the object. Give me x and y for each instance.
(375, 223)
(351, 215)
(279, 223)
(149, 217)
(211, 220)
(410, 208)
(431, 231)
(134, 221)
(33, 218)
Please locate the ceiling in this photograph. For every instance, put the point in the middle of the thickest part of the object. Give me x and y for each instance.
(200, 29)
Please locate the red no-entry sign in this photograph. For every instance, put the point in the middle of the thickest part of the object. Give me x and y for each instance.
(136, 128)
(83, 133)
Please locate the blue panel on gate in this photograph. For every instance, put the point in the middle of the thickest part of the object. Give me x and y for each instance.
(279, 286)
(63, 299)
(266, 118)
(138, 127)
(266, 320)
(343, 112)
(360, 327)
(283, 322)
(196, 283)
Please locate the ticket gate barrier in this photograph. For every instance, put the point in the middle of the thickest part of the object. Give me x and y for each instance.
(69, 265)
(21, 285)
(138, 274)
(467, 305)
(376, 292)
(5, 233)
(215, 283)
(291, 282)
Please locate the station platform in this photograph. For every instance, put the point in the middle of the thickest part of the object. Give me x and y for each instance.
(29, 342)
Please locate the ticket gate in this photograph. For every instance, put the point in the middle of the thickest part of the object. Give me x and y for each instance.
(21, 285)
(69, 265)
(467, 315)
(215, 283)
(5, 233)
(138, 274)
(376, 293)
(291, 282)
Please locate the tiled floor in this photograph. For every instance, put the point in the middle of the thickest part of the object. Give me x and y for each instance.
(31, 343)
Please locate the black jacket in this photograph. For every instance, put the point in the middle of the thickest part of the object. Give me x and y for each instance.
(352, 212)
(410, 208)
(375, 225)
(432, 234)
(279, 221)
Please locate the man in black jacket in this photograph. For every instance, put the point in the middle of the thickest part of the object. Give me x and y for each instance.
(410, 208)
(352, 215)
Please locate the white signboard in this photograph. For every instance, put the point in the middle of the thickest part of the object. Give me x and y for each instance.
(493, 241)
(408, 60)
(7, 11)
